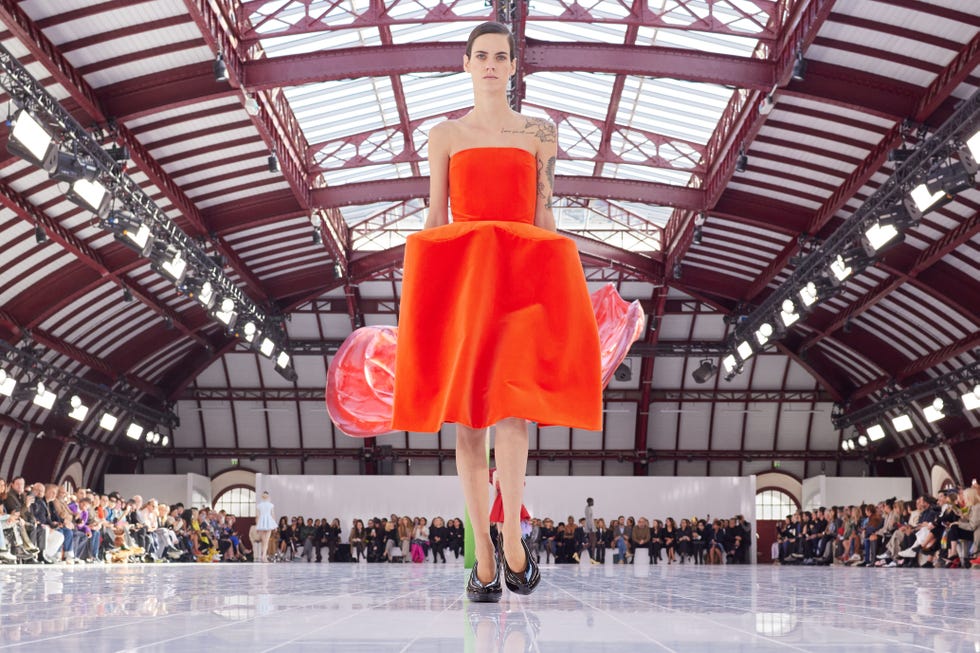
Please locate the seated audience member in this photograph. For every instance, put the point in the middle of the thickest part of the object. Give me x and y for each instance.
(963, 533)
(640, 539)
(670, 539)
(685, 541)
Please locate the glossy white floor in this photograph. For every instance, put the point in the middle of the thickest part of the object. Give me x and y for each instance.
(420, 607)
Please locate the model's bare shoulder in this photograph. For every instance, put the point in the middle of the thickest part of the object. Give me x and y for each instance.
(541, 129)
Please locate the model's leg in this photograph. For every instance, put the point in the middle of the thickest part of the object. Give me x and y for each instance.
(510, 452)
(471, 465)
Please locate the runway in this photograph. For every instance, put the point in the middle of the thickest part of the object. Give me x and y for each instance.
(420, 607)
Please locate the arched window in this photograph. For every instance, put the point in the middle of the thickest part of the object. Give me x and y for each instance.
(69, 486)
(774, 504)
(238, 501)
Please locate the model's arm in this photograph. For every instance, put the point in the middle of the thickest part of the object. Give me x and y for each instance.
(439, 144)
(547, 156)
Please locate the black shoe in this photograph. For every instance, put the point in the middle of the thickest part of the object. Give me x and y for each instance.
(480, 593)
(522, 582)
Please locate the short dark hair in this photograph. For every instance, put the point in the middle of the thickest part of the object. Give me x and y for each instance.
(491, 27)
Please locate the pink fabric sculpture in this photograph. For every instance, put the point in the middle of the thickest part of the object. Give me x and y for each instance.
(361, 376)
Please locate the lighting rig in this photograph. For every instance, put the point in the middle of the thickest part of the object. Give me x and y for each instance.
(944, 164)
(43, 133)
(935, 399)
(25, 376)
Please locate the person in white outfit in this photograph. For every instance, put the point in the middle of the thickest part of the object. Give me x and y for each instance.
(265, 523)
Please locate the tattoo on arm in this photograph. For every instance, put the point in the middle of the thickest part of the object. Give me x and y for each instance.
(546, 173)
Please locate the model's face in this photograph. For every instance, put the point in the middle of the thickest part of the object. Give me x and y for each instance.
(489, 64)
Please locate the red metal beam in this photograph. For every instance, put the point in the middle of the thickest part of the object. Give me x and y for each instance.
(566, 186)
(646, 379)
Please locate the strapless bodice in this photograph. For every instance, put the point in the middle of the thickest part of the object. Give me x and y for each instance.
(492, 183)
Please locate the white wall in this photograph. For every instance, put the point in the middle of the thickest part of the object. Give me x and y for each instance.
(557, 497)
(847, 491)
(189, 489)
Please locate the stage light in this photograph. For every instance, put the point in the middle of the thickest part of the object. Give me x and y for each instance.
(92, 195)
(225, 313)
(108, 421)
(971, 400)
(78, 409)
(763, 334)
(877, 236)
(44, 397)
(165, 441)
(273, 162)
(317, 237)
(799, 67)
(250, 331)
(201, 290)
(266, 347)
(220, 69)
(678, 271)
(924, 198)
(730, 364)
(840, 269)
(40, 235)
(67, 167)
(902, 423)
(174, 266)
(788, 314)
(134, 431)
(127, 295)
(900, 154)
(744, 350)
(973, 145)
(251, 105)
(934, 411)
(742, 162)
(282, 360)
(704, 372)
(7, 384)
(118, 153)
(131, 231)
(808, 294)
(876, 433)
(843, 445)
(31, 141)
(862, 441)
(698, 234)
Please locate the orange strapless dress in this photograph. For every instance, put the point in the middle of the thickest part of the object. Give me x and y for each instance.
(496, 319)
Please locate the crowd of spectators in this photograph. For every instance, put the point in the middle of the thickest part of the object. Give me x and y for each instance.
(941, 531)
(45, 524)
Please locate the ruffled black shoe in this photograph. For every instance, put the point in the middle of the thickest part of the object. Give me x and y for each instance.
(480, 593)
(522, 582)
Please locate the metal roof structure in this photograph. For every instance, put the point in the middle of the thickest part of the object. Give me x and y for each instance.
(694, 171)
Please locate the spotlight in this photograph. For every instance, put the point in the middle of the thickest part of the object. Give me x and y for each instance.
(839, 269)
(251, 105)
(250, 331)
(40, 235)
(704, 372)
(134, 431)
(317, 237)
(67, 167)
(799, 67)
(900, 154)
(677, 271)
(698, 235)
(877, 236)
(91, 195)
(266, 347)
(173, 265)
(7, 384)
(78, 409)
(730, 364)
(273, 162)
(226, 313)
(127, 295)
(31, 141)
(623, 373)
(862, 440)
(973, 145)
(971, 400)
(201, 290)
(118, 153)
(902, 423)
(924, 198)
(742, 162)
(108, 421)
(338, 271)
(130, 231)
(876, 433)
(808, 294)
(935, 411)
(954, 177)
(744, 350)
(282, 360)
(844, 445)
(220, 69)
(44, 397)
(165, 441)
(763, 334)
(788, 314)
